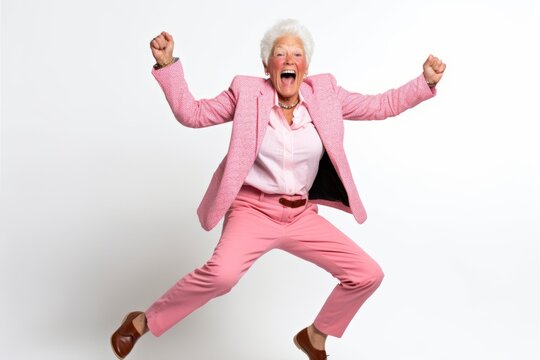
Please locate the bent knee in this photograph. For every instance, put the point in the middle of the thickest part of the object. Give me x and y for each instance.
(366, 277)
(225, 281)
(376, 276)
(220, 278)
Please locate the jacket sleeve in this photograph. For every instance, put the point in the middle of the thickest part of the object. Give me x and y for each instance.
(357, 106)
(188, 111)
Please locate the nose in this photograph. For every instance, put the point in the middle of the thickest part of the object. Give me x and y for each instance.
(289, 59)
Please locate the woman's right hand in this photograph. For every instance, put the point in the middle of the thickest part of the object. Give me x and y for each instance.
(162, 48)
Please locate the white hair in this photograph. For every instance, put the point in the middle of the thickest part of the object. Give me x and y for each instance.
(286, 27)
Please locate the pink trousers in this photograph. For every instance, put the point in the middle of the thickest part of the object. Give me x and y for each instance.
(255, 224)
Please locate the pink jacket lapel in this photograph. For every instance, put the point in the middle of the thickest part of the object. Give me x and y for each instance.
(265, 102)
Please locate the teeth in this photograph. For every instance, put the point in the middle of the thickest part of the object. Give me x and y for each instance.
(288, 72)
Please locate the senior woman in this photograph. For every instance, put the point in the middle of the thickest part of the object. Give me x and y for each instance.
(285, 157)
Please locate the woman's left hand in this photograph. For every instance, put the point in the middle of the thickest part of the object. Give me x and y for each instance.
(433, 70)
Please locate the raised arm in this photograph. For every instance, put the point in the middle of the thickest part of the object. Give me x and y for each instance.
(169, 73)
(356, 106)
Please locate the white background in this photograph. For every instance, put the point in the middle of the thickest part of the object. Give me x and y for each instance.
(100, 183)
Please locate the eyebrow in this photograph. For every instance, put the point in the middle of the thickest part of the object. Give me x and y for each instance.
(293, 48)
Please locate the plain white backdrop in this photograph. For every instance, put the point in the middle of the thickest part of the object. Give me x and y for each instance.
(100, 184)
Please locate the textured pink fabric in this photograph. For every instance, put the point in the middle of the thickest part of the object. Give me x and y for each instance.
(255, 224)
(247, 103)
(289, 155)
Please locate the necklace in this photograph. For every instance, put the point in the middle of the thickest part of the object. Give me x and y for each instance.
(288, 107)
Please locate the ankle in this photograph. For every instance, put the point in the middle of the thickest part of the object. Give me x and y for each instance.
(316, 337)
(140, 324)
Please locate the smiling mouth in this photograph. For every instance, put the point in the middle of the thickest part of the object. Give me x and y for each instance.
(288, 74)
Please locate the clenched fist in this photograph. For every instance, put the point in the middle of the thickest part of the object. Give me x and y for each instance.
(433, 70)
(162, 48)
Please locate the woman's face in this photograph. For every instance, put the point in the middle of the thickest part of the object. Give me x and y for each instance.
(287, 67)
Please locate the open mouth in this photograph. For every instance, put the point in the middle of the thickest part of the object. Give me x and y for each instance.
(288, 77)
(288, 74)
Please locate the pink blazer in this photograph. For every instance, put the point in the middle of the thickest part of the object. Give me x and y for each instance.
(247, 103)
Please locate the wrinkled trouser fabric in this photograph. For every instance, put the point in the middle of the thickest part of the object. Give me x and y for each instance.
(255, 224)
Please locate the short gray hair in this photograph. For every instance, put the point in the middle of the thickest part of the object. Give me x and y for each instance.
(286, 27)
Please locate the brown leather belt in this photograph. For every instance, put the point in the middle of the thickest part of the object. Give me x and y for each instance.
(292, 203)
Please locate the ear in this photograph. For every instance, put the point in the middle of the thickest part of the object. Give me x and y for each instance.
(265, 68)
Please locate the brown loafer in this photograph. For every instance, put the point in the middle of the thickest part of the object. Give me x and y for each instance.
(125, 337)
(301, 340)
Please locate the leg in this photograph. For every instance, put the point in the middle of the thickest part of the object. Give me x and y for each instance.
(314, 239)
(246, 236)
